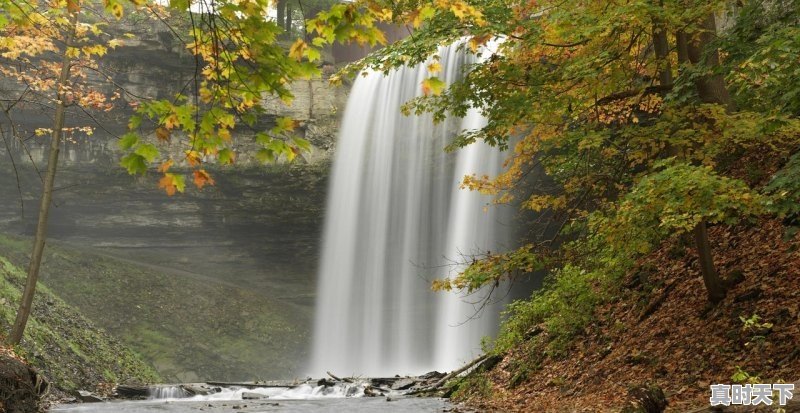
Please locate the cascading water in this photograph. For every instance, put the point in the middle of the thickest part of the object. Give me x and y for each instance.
(395, 217)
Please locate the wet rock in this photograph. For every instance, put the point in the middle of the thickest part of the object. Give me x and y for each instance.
(253, 396)
(200, 389)
(432, 375)
(87, 397)
(370, 391)
(325, 382)
(132, 391)
(403, 384)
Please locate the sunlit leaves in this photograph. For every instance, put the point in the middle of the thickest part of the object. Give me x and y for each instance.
(242, 65)
(673, 200)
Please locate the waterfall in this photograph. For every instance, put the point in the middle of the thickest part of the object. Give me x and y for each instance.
(396, 219)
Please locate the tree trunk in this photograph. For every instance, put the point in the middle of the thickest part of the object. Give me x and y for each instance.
(661, 48)
(288, 26)
(710, 89)
(682, 47)
(714, 285)
(47, 192)
(281, 9)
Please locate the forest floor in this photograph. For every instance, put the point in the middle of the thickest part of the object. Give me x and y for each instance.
(684, 345)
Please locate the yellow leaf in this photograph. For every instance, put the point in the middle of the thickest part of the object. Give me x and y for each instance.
(193, 157)
(297, 49)
(432, 85)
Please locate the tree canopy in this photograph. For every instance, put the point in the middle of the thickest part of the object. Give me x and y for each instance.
(655, 118)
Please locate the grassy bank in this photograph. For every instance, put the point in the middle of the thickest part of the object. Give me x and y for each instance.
(71, 351)
(189, 327)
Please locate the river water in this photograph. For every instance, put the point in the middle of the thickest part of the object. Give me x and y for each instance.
(343, 397)
(350, 405)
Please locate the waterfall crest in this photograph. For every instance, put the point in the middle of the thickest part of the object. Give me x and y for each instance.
(396, 218)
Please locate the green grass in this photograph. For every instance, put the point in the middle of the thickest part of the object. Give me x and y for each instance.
(71, 351)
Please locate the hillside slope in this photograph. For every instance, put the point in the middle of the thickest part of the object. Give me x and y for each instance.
(71, 351)
(188, 326)
(682, 346)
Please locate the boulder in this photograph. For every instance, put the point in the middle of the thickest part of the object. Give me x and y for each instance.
(253, 396)
(403, 384)
(200, 389)
(87, 396)
(432, 375)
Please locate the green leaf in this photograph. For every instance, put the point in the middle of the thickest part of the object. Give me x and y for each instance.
(147, 151)
(265, 155)
(128, 140)
(134, 122)
(179, 181)
(302, 144)
(225, 156)
(135, 164)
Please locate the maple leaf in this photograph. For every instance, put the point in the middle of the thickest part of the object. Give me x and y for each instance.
(164, 167)
(73, 6)
(202, 178)
(283, 124)
(297, 50)
(193, 157)
(171, 121)
(171, 183)
(432, 85)
(163, 134)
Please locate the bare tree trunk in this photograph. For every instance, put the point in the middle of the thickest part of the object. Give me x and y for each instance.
(47, 193)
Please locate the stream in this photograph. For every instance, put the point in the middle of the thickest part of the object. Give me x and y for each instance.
(303, 398)
(350, 404)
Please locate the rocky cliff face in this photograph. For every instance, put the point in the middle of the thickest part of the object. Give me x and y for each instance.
(257, 230)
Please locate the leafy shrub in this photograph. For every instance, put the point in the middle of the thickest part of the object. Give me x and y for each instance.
(783, 190)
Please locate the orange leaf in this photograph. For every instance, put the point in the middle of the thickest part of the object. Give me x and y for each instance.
(163, 134)
(73, 6)
(168, 184)
(193, 157)
(202, 178)
(165, 166)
